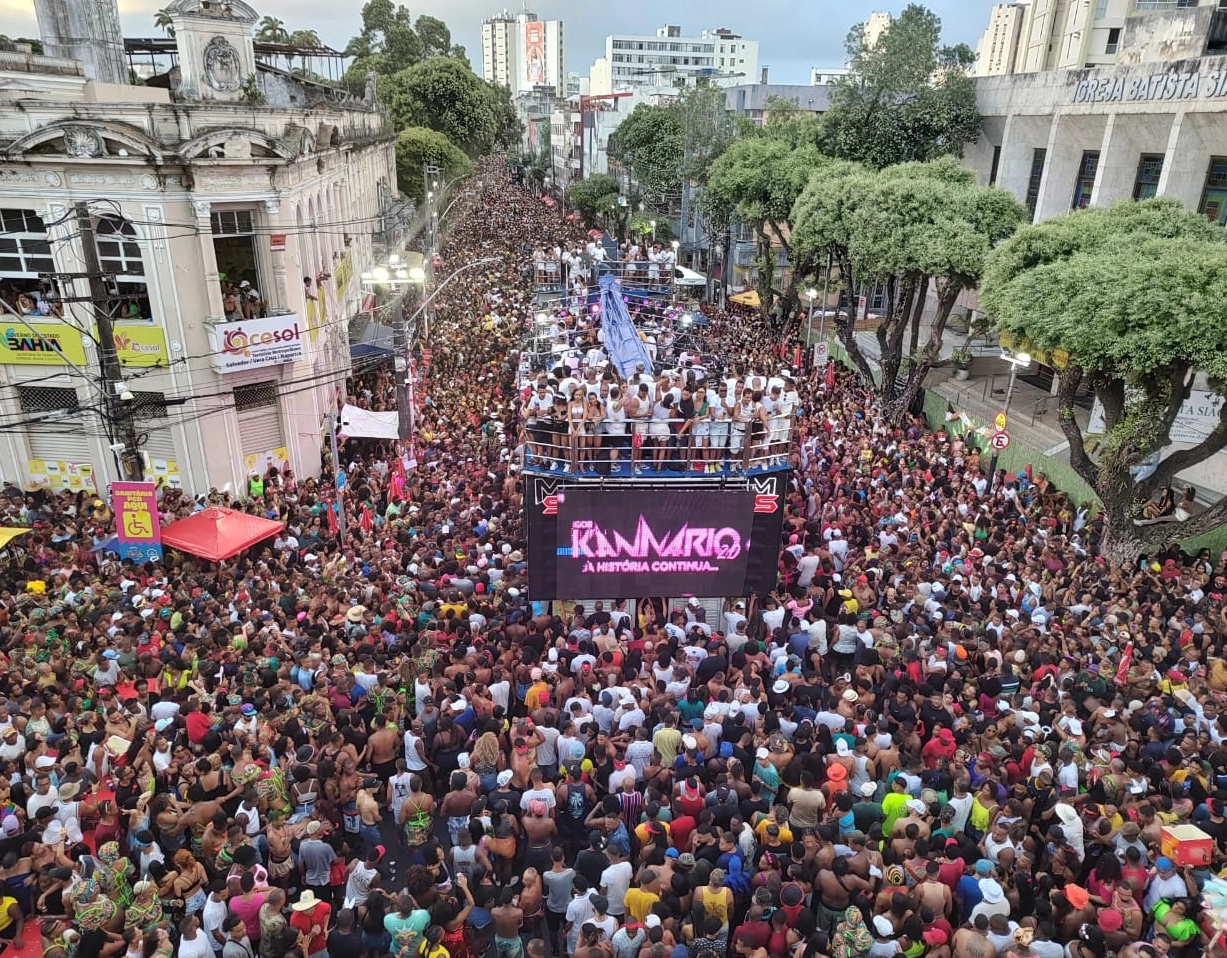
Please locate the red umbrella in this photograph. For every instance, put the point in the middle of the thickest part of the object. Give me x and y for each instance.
(217, 533)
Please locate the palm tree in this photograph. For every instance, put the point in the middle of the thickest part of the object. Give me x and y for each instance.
(307, 40)
(272, 30)
(161, 20)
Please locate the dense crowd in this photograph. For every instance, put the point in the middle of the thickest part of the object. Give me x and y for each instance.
(951, 730)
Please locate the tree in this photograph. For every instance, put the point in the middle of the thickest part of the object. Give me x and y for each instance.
(435, 36)
(1128, 301)
(908, 228)
(446, 96)
(272, 30)
(507, 126)
(648, 144)
(906, 98)
(387, 43)
(759, 180)
(36, 46)
(161, 20)
(596, 198)
(417, 148)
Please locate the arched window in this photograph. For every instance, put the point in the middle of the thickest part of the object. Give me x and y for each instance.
(24, 253)
(119, 252)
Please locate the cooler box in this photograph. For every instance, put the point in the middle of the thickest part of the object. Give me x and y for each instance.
(1186, 845)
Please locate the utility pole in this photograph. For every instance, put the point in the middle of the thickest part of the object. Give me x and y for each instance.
(338, 474)
(117, 400)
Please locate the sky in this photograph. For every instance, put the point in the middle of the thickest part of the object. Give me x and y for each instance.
(793, 36)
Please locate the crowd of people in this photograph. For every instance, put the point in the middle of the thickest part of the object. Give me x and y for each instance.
(951, 731)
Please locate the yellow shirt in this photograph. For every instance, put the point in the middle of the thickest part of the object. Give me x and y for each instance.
(760, 830)
(667, 741)
(639, 902)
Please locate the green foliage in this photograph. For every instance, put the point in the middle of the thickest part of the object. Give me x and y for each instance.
(36, 46)
(596, 198)
(649, 144)
(417, 148)
(434, 35)
(446, 96)
(507, 126)
(907, 98)
(1126, 298)
(272, 30)
(161, 20)
(1126, 291)
(249, 92)
(761, 178)
(784, 120)
(905, 227)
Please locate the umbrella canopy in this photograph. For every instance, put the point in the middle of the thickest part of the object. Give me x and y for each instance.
(217, 533)
(9, 533)
(748, 298)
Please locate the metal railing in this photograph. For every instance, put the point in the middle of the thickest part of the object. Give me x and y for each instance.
(647, 447)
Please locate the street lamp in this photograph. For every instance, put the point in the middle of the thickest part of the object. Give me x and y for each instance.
(653, 224)
(1017, 361)
(811, 294)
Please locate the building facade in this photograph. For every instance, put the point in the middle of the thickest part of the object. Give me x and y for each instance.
(1155, 126)
(1031, 36)
(997, 51)
(877, 24)
(522, 53)
(231, 209)
(667, 58)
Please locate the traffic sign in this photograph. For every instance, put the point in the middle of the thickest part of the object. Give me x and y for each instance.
(999, 421)
(999, 441)
(822, 352)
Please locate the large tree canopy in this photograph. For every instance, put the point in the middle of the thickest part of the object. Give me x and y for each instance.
(909, 228)
(596, 198)
(906, 98)
(417, 148)
(1129, 300)
(446, 96)
(649, 144)
(760, 179)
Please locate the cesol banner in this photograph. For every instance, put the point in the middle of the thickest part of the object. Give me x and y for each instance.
(254, 343)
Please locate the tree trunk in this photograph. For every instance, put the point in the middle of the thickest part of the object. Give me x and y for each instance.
(845, 325)
(1121, 544)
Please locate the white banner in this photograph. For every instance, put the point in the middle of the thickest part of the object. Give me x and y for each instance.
(254, 343)
(358, 423)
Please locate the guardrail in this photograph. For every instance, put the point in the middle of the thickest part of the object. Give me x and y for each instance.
(646, 447)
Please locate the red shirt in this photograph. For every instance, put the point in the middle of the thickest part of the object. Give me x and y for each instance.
(304, 920)
(197, 725)
(679, 831)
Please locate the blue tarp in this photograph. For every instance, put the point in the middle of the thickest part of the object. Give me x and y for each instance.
(107, 545)
(622, 342)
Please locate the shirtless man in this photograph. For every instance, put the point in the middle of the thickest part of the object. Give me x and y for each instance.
(382, 746)
(369, 816)
(508, 919)
(971, 942)
(836, 886)
(932, 893)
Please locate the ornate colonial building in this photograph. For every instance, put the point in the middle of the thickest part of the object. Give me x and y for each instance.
(229, 208)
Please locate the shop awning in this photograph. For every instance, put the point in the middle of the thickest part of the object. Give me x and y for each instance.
(217, 533)
(748, 298)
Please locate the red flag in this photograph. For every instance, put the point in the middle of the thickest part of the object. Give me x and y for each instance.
(332, 518)
(367, 521)
(1123, 670)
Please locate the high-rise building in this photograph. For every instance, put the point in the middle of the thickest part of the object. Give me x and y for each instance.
(824, 76)
(997, 51)
(1031, 36)
(875, 26)
(520, 52)
(669, 59)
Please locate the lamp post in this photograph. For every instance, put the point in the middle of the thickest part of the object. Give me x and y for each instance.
(653, 223)
(1017, 361)
(811, 294)
(398, 273)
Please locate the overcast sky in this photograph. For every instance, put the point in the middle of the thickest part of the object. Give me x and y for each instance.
(792, 36)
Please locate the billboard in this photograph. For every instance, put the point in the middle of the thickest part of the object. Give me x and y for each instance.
(534, 53)
(632, 542)
(254, 343)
